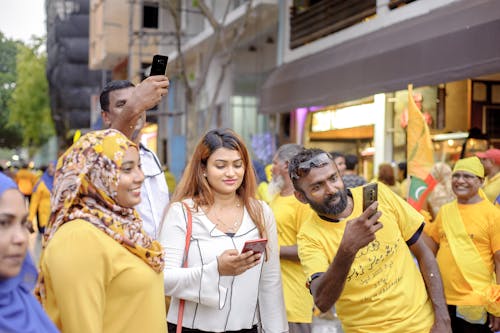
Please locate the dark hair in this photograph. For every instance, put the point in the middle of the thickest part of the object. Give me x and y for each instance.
(386, 174)
(350, 161)
(335, 154)
(294, 170)
(195, 186)
(109, 87)
(402, 166)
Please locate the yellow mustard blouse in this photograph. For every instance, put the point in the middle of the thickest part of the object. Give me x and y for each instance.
(93, 284)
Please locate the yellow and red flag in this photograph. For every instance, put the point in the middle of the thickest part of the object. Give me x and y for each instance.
(420, 154)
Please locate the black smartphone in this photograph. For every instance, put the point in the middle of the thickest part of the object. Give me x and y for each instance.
(370, 194)
(159, 65)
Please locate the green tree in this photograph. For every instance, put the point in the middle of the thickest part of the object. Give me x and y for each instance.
(10, 135)
(29, 104)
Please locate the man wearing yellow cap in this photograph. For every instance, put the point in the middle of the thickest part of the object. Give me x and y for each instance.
(466, 241)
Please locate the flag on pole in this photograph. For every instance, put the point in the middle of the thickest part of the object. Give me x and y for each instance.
(420, 154)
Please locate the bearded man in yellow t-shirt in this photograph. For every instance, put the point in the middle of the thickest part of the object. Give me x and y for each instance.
(290, 214)
(361, 261)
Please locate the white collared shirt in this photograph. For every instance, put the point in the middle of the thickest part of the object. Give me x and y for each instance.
(221, 303)
(154, 192)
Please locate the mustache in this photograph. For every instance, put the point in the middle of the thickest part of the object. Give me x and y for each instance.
(331, 197)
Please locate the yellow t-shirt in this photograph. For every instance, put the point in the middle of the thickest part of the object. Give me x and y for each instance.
(384, 290)
(482, 222)
(290, 214)
(40, 203)
(93, 284)
(491, 187)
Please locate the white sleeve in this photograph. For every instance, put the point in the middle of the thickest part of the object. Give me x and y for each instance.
(199, 284)
(271, 301)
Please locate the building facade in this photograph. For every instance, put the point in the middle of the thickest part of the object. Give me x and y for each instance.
(353, 60)
(124, 38)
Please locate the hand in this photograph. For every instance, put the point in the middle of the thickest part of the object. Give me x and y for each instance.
(360, 231)
(31, 227)
(145, 95)
(494, 323)
(149, 92)
(231, 262)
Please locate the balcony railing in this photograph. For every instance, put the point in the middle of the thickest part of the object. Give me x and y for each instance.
(326, 17)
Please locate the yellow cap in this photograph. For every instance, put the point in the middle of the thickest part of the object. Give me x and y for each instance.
(470, 164)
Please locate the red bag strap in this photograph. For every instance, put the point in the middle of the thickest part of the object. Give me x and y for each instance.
(189, 229)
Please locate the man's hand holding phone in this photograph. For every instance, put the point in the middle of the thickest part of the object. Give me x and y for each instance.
(360, 231)
(145, 96)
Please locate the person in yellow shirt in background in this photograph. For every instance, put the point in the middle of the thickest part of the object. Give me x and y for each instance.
(290, 213)
(170, 179)
(362, 261)
(262, 187)
(466, 241)
(491, 163)
(40, 199)
(26, 180)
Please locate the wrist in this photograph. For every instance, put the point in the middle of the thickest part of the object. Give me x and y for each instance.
(347, 252)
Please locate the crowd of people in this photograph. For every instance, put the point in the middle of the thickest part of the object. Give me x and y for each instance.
(119, 254)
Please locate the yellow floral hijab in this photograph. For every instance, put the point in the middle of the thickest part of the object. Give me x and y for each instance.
(84, 188)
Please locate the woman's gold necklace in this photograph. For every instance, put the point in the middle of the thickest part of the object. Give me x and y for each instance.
(228, 227)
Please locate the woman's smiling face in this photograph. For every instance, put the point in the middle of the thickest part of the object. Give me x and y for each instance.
(130, 179)
(225, 170)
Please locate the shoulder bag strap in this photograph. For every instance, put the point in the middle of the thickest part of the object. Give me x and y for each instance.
(189, 229)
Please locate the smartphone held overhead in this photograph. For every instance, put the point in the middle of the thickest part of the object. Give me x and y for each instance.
(159, 65)
(255, 245)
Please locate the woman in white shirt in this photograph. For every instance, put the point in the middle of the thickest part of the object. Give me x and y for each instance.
(224, 289)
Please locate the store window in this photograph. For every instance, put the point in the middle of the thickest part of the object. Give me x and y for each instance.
(150, 15)
(246, 120)
(485, 109)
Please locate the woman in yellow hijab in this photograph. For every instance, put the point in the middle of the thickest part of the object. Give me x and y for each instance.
(100, 272)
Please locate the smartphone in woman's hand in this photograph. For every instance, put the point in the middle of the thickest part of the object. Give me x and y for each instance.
(255, 245)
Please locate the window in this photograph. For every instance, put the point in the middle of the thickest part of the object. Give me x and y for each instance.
(491, 122)
(246, 121)
(150, 16)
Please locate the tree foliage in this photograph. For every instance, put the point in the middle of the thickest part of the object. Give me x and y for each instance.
(29, 104)
(10, 135)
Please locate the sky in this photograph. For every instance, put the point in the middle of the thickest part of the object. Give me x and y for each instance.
(19, 19)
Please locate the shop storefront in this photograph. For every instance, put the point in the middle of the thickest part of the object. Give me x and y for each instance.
(438, 53)
(374, 128)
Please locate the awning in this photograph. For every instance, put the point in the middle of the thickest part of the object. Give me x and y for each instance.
(452, 43)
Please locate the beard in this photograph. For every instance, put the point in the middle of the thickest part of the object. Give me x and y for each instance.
(276, 185)
(327, 207)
